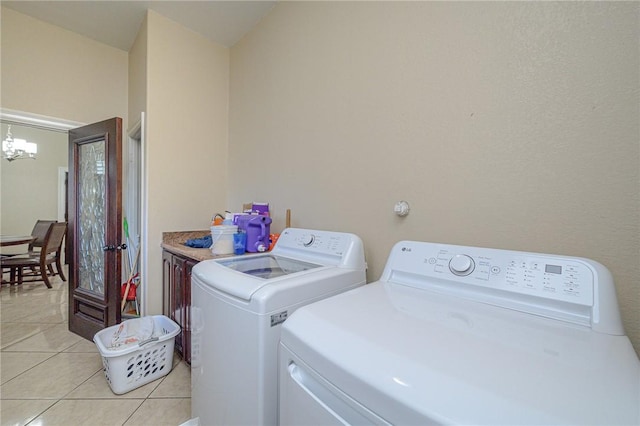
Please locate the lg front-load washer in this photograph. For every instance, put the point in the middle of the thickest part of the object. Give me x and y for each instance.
(463, 335)
(238, 305)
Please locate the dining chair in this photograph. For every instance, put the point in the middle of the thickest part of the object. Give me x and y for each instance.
(39, 231)
(39, 267)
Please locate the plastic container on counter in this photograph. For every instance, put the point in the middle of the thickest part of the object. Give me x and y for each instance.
(222, 237)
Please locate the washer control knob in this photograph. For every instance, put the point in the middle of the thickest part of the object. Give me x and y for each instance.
(307, 240)
(461, 264)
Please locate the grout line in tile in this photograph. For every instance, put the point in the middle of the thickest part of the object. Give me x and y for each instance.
(32, 367)
(12, 299)
(134, 412)
(25, 337)
(41, 413)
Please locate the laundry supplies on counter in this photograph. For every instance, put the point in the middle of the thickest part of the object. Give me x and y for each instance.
(239, 242)
(257, 228)
(222, 239)
(204, 242)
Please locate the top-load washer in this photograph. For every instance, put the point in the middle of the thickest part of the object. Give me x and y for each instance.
(463, 335)
(238, 305)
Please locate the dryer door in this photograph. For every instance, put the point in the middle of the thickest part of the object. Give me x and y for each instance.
(306, 398)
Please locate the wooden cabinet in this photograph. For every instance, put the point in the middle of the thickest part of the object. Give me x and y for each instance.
(176, 279)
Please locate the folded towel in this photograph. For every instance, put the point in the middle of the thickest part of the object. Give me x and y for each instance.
(204, 242)
(132, 331)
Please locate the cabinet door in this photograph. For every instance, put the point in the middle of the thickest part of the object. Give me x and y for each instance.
(177, 298)
(186, 330)
(176, 281)
(167, 283)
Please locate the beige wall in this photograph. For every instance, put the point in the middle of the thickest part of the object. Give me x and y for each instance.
(54, 72)
(505, 125)
(508, 125)
(49, 71)
(178, 78)
(29, 188)
(138, 74)
(187, 114)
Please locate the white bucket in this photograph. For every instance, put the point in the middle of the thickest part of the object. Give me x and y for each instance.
(222, 237)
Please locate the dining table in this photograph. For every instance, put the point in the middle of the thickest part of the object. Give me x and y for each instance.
(15, 240)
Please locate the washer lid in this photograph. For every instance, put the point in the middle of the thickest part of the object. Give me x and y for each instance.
(267, 266)
(417, 357)
(242, 276)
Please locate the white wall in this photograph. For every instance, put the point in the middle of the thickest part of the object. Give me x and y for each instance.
(504, 124)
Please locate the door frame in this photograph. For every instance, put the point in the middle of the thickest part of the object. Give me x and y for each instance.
(62, 193)
(137, 149)
(40, 121)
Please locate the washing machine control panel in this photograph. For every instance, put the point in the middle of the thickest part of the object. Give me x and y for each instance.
(324, 247)
(497, 272)
(321, 242)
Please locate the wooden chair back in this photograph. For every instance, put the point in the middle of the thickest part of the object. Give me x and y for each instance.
(39, 231)
(53, 239)
(40, 267)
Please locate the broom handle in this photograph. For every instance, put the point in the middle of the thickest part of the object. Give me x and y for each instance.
(126, 290)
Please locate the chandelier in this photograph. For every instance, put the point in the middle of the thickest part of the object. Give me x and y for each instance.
(16, 149)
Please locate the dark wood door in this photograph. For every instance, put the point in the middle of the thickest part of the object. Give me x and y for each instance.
(95, 226)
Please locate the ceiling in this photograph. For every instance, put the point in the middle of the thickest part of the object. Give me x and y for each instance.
(116, 23)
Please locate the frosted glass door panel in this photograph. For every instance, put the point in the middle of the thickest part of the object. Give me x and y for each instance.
(91, 215)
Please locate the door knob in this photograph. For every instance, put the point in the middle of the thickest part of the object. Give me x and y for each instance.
(122, 246)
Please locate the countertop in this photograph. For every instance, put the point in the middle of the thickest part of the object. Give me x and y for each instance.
(174, 242)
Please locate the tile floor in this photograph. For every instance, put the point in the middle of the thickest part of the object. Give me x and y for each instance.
(50, 376)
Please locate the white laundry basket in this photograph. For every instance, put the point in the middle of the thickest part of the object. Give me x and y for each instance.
(132, 366)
